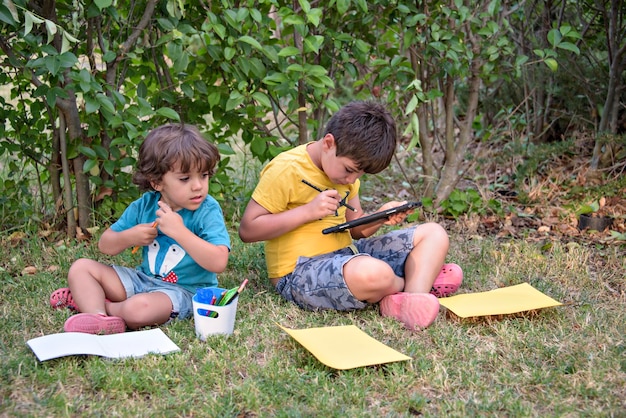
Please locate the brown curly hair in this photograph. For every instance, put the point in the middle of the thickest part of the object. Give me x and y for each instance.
(173, 146)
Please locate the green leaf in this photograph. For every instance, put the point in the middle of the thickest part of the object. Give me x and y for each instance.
(314, 17)
(342, 6)
(297, 68)
(362, 46)
(554, 37)
(65, 44)
(88, 152)
(105, 103)
(69, 37)
(313, 43)
(415, 127)
(229, 53)
(316, 70)
(51, 28)
(274, 79)
(110, 166)
(89, 164)
(220, 30)
(214, 99)
(168, 113)
(234, 101)
(618, 236)
(262, 98)
(10, 18)
(552, 64)
(53, 65)
(293, 20)
(305, 5)
(29, 20)
(410, 108)
(187, 90)
(362, 5)
(109, 56)
(521, 60)
(251, 41)
(103, 4)
(67, 60)
(91, 105)
(270, 53)
(289, 51)
(568, 46)
(53, 93)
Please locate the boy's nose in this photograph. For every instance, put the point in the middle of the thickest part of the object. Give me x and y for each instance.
(196, 184)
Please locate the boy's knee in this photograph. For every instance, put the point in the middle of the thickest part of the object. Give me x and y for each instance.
(369, 273)
(433, 233)
(144, 309)
(78, 267)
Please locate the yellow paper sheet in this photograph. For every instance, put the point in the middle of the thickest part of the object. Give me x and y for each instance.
(344, 347)
(506, 300)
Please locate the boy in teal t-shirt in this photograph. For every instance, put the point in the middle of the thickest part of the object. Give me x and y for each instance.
(182, 231)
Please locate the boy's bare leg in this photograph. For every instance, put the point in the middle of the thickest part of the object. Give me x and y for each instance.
(370, 279)
(143, 309)
(430, 247)
(91, 283)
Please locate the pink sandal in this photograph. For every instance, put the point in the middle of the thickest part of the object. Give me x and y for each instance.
(62, 298)
(448, 280)
(415, 310)
(92, 323)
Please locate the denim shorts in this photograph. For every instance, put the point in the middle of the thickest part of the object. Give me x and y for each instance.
(317, 282)
(135, 282)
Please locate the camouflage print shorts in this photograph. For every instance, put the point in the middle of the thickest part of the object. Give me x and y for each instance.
(317, 282)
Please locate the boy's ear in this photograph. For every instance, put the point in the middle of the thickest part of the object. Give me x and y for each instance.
(156, 186)
(328, 141)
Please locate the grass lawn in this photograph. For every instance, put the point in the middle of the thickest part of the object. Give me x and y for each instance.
(563, 361)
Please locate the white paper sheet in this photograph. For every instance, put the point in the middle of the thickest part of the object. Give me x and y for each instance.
(126, 344)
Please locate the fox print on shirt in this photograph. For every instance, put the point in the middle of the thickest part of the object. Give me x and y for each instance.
(163, 256)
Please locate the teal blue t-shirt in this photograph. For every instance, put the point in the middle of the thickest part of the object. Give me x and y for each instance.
(164, 259)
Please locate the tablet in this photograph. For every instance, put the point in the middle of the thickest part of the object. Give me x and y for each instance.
(371, 218)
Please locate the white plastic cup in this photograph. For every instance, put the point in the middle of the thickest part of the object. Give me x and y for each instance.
(212, 319)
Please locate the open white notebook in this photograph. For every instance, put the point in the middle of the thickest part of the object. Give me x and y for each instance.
(126, 344)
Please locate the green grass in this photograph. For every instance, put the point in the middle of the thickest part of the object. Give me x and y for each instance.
(564, 361)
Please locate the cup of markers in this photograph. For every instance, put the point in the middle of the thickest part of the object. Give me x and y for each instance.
(214, 310)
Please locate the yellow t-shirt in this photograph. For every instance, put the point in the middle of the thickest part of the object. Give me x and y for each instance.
(280, 188)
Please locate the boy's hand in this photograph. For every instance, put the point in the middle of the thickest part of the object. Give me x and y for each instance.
(396, 218)
(145, 233)
(325, 203)
(168, 221)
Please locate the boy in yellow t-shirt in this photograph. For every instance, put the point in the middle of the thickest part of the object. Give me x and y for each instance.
(314, 186)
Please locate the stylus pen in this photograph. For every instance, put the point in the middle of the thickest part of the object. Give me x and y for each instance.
(341, 202)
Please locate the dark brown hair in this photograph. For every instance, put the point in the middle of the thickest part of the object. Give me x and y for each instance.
(365, 132)
(173, 146)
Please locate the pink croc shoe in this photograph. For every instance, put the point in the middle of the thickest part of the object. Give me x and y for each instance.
(91, 323)
(448, 280)
(414, 310)
(62, 298)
